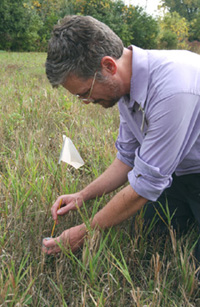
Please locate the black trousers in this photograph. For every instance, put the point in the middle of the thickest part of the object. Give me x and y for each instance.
(183, 198)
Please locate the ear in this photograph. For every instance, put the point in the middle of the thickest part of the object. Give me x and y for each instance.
(109, 65)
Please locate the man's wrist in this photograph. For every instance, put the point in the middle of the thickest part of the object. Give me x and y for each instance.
(85, 195)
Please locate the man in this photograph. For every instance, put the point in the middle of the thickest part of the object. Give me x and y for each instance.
(158, 95)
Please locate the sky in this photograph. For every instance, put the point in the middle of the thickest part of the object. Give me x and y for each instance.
(150, 6)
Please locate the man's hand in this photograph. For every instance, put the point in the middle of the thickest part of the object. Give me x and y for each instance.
(69, 202)
(71, 238)
(106, 183)
(113, 213)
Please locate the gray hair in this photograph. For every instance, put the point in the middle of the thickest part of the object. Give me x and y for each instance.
(77, 46)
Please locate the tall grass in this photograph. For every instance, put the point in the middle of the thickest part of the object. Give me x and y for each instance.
(112, 268)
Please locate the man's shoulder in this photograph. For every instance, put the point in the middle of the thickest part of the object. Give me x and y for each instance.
(175, 71)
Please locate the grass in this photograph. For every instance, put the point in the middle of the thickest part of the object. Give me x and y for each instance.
(112, 268)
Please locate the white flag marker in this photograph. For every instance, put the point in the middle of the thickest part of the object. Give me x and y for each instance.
(69, 154)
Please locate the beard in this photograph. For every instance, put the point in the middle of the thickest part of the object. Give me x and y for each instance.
(106, 103)
(114, 94)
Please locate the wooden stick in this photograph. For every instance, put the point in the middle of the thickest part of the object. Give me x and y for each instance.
(54, 225)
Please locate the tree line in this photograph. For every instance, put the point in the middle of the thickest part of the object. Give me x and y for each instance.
(26, 25)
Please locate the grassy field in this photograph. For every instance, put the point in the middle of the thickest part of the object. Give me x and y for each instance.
(112, 269)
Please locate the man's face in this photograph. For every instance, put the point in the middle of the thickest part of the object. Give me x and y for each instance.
(106, 93)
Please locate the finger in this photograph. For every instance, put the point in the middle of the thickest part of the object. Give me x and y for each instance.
(55, 207)
(55, 250)
(50, 246)
(44, 247)
(66, 209)
(49, 242)
(51, 250)
(53, 242)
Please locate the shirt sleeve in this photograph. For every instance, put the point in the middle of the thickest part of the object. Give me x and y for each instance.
(173, 127)
(126, 143)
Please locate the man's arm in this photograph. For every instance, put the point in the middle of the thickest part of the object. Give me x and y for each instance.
(122, 206)
(114, 177)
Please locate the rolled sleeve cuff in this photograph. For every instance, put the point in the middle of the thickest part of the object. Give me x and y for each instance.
(127, 156)
(124, 160)
(147, 180)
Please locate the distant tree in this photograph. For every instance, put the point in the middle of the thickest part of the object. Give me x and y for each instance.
(194, 31)
(18, 26)
(168, 40)
(173, 31)
(131, 23)
(108, 11)
(143, 27)
(26, 25)
(185, 8)
(49, 12)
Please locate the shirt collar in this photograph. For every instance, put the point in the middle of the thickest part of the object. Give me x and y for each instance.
(139, 79)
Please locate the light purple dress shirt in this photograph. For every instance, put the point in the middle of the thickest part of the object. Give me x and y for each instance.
(159, 130)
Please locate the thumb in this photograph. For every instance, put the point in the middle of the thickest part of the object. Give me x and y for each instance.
(66, 209)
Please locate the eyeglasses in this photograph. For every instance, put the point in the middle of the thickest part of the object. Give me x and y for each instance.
(88, 99)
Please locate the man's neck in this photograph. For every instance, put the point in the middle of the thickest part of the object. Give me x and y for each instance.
(125, 70)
